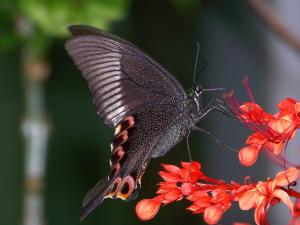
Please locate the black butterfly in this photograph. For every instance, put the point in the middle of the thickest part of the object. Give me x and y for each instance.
(142, 101)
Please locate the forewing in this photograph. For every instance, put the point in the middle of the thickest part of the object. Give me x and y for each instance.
(121, 78)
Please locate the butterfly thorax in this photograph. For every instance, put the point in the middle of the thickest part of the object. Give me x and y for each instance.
(195, 103)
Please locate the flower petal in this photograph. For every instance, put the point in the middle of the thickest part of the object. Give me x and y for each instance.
(256, 138)
(275, 147)
(286, 104)
(252, 112)
(171, 168)
(198, 195)
(169, 177)
(212, 214)
(187, 188)
(260, 214)
(203, 202)
(262, 188)
(195, 209)
(284, 197)
(172, 196)
(297, 110)
(248, 199)
(297, 206)
(283, 125)
(166, 187)
(190, 175)
(286, 177)
(146, 209)
(248, 155)
(196, 166)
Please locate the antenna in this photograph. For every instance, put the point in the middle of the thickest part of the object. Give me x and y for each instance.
(204, 65)
(213, 89)
(196, 63)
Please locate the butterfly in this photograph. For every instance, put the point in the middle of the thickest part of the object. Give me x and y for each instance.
(144, 103)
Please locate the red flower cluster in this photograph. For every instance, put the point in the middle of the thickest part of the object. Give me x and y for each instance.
(212, 197)
(171, 190)
(271, 132)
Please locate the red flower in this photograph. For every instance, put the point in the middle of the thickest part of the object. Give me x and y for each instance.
(271, 132)
(252, 112)
(212, 214)
(212, 203)
(249, 154)
(178, 182)
(174, 187)
(268, 193)
(146, 209)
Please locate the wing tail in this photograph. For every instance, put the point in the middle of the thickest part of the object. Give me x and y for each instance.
(95, 197)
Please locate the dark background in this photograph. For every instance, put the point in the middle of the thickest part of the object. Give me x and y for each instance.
(234, 42)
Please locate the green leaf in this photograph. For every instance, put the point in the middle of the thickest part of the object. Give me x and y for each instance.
(53, 16)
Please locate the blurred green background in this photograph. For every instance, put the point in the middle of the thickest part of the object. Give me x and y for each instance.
(39, 83)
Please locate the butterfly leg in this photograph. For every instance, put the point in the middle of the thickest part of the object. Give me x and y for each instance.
(202, 130)
(188, 146)
(226, 107)
(217, 105)
(189, 153)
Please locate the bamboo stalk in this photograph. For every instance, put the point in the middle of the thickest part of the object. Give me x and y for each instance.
(35, 128)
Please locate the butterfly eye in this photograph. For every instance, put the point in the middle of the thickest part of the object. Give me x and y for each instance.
(197, 89)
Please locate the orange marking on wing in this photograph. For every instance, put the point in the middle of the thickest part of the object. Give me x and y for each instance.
(119, 140)
(116, 156)
(118, 129)
(126, 188)
(127, 123)
(115, 189)
(123, 135)
(130, 120)
(117, 166)
(120, 148)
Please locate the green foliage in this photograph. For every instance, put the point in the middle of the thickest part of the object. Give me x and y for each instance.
(53, 16)
(8, 37)
(50, 18)
(187, 7)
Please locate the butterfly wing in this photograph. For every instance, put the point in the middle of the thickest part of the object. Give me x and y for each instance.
(137, 97)
(120, 77)
(137, 139)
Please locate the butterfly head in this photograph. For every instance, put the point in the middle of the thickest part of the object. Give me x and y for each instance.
(197, 90)
(196, 98)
